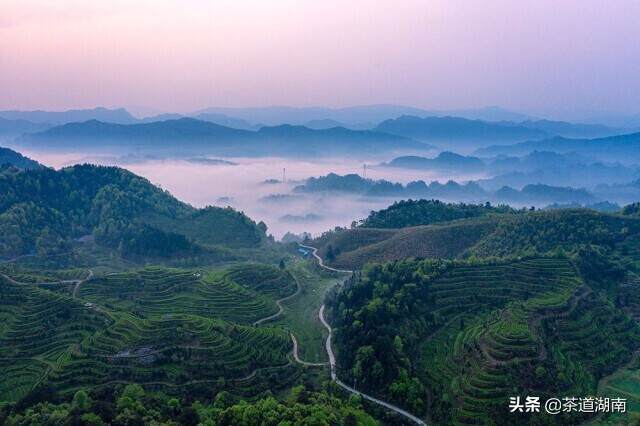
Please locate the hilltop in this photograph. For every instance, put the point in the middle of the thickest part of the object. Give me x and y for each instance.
(45, 210)
(430, 231)
(15, 159)
(445, 161)
(407, 213)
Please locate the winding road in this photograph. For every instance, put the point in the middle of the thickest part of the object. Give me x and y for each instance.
(332, 358)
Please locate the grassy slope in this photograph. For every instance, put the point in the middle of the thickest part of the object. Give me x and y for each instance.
(492, 235)
(301, 312)
(361, 245)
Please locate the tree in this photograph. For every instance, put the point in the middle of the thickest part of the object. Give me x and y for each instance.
(174, 405)
(81, 402)
(282, 265)
(91, 419)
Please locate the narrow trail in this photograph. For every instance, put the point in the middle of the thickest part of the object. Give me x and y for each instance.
(61, 282)
(279, 303)
(332, 358)
(77, 286)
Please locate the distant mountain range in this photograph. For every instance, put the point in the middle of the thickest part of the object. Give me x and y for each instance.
(119, 116)
(275, 115)
(574, 175)
(455, 131)
(570, 130)
(366, 117)
(358, 116)
(12, 128)
(538, 167)
(190, 135)
(220, 119)
(623, 148)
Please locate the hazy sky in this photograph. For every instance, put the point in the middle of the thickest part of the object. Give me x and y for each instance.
(182, 55)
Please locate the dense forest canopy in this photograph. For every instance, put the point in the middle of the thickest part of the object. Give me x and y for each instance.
(425, 212)
(44, 210)
(131, 405)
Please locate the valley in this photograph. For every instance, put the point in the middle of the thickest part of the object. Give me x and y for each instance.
(298, 213)
(426, 312)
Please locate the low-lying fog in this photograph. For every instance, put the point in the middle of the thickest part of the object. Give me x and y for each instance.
(243, 187)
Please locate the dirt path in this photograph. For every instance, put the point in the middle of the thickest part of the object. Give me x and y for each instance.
(279, 303)
(61, 282)
(77, 286)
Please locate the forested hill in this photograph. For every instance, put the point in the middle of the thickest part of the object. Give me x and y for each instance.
(425, 212)
(13, 158)
(454, 340)
(487, 235)
(45, 210)
(523, 303)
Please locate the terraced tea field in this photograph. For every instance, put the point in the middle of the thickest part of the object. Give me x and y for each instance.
(157, 291)
(485, 332)
(550, 320)
(163, 328)
(38, 328)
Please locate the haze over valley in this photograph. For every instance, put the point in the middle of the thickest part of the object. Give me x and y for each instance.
(531, 163)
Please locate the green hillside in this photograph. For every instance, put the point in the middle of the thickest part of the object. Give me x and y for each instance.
(167, 329)
(402, 214)
(46, 211)
(509, 234)
(467, 336)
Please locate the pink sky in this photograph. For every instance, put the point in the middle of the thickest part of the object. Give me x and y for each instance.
(182, 55)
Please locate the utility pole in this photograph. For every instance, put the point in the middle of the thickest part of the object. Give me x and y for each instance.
(364, 170)
(284, 175)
